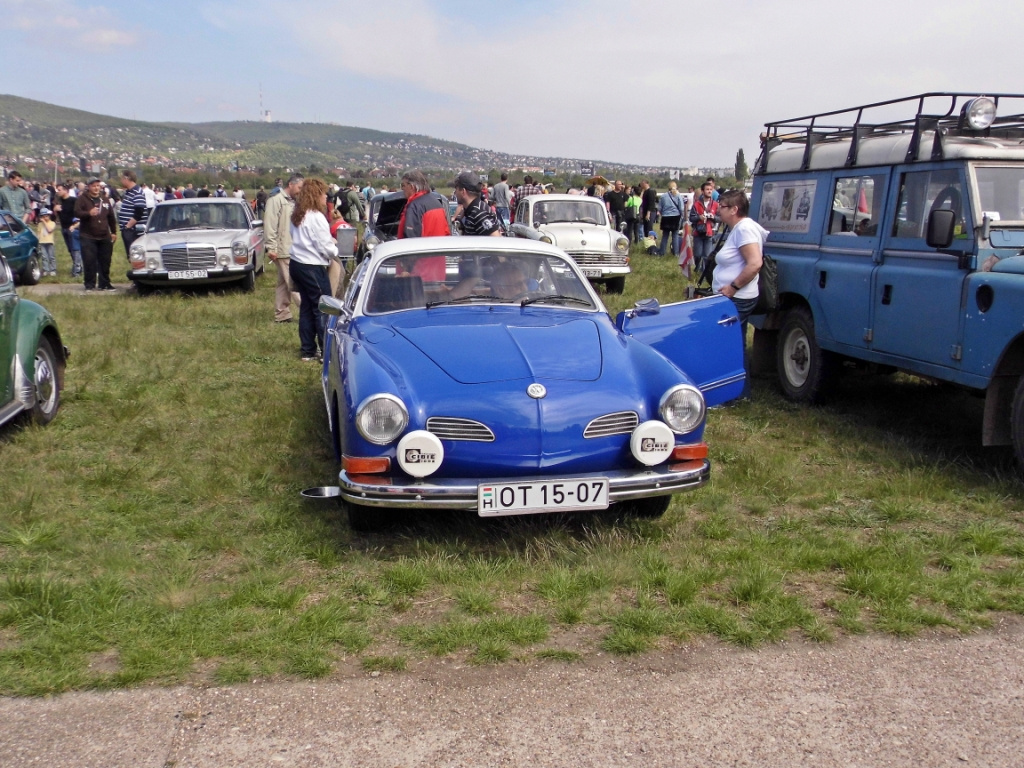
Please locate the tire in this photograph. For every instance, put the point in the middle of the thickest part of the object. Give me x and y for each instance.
(141, 289)
(650, 508)
(32, 273)
(615, 284)
(48, 376)
(248, 283)
(804, 368)
(1017, 422)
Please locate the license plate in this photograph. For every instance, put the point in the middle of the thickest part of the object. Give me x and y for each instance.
(496, 499)
(592, 272)
(187, 274)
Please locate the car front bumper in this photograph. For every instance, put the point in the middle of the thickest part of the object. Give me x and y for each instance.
(461, 493)
(213, 275)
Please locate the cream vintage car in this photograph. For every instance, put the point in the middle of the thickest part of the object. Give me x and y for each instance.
(198, 241)
(579, 226)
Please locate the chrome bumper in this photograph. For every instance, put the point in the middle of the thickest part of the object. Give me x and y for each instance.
(461, 493)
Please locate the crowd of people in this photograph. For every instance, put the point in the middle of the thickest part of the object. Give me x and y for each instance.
(301, 219)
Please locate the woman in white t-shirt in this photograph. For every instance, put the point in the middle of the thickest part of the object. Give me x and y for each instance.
(739, 262)
(311, 252)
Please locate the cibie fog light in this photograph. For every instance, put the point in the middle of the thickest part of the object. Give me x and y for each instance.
(420, 453)
(979, 113)
(381, 418)
(651, 443)
(682, 408)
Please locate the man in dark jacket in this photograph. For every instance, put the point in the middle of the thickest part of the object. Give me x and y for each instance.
(648, 206)
(98, 229)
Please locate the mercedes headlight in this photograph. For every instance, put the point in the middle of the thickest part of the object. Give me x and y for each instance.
(239, 249)
(682, 408)
(381, 418)
(137, 251)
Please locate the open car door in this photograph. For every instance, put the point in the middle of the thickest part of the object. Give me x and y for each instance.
(701, 337)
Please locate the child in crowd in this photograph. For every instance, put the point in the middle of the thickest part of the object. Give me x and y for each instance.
(76, 248)
(44, 232)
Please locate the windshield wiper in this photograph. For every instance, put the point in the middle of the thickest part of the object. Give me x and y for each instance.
(556, 297)
(458, 300)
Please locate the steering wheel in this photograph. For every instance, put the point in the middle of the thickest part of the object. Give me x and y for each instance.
(949, 195)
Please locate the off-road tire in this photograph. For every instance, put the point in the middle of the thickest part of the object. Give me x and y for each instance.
(804, 368)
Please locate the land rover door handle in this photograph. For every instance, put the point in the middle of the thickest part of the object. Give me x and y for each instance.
(887, 295)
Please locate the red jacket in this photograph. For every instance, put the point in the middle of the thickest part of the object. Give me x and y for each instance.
(424, 215)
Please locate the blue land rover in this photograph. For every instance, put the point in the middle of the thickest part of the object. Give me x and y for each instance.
(898, 231)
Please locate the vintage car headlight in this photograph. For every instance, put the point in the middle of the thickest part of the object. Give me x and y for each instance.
(622, 245)
(240, 252)
(153, 262)
(547, 239)
(137, 255)
(381, 418)
(371, 242)
(682, 408)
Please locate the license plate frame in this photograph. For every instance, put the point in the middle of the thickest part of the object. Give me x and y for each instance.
(538, 496)
(592, 273)
(188, 274)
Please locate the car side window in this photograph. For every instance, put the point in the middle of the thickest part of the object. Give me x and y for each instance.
(856, 205)
(922, 192)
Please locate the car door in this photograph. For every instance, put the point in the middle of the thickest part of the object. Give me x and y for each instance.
(917, 294)
(849, 253)
(702, 337)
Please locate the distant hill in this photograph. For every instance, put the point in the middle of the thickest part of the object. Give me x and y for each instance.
(37, 131)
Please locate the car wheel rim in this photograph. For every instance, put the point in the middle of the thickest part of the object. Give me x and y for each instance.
(37, 273)
(796, 358)
(46, 385)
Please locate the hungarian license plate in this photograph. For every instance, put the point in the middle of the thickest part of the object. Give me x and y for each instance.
(187, 274)
(496, 499)
(592, 272)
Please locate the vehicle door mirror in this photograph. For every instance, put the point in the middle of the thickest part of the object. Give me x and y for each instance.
(256, 223)
(941, 224)
(646, 307)
(140, 228)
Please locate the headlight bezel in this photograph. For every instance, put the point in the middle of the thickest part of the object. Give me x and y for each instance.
(979, 113)
(379, 434)
(678, 398)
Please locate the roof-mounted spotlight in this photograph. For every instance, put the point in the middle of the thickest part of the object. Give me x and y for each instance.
(978, 113)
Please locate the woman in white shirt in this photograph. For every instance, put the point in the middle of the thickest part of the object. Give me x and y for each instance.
(311, 253)
(739, 262)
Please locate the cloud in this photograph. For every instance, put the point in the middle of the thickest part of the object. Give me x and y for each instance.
(64, 26)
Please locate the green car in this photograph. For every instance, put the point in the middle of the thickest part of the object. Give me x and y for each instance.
(32, 357)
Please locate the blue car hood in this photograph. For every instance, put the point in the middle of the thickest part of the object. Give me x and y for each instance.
(482, 353)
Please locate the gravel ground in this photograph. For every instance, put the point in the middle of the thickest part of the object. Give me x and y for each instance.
(867, 701)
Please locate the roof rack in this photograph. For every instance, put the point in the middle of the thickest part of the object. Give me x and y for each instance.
(940, 113)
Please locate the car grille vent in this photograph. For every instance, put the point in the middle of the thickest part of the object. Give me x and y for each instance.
(449, 428)
(598, 260)
(612, 424)
(183, 257)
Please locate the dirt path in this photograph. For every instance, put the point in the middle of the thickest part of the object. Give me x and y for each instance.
(871, 701)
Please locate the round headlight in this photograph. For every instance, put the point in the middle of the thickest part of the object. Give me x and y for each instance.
(547, 239)
(682, 408)
(239, 249)
(371, 242)
(622, 245)
(137, 251)
(381, 418)
(980, 113)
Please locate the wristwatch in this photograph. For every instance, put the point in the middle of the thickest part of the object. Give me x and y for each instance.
(734, 286)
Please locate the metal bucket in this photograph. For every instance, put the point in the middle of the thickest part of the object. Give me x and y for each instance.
(322, 492)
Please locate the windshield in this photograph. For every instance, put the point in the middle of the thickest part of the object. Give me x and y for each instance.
(427, 280)
(166, 218)
(570, 212)
(1001, 192)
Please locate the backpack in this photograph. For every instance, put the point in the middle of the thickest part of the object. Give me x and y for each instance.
(344, 206)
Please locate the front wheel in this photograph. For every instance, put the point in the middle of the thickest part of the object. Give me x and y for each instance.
(616, 284)
(47, 377)
(249, 282)
(804, 368)
(1017, 422)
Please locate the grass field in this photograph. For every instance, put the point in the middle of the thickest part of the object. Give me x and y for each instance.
(154, 533)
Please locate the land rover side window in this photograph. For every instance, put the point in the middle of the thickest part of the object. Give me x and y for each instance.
(1001, 193)
(856, 205)
(922, 192)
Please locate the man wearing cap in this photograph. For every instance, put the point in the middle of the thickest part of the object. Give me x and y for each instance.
(98, 227)
(478, 218)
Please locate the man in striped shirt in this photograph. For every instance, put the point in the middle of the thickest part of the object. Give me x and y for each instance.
(132, 211)
(478, 218)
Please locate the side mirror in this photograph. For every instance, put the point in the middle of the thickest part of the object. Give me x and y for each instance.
(329, 305)
(941, 224)
(140, 228)
(645, 307)
(256, 223)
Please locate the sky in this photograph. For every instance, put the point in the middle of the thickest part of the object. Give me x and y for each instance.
(672, 84)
